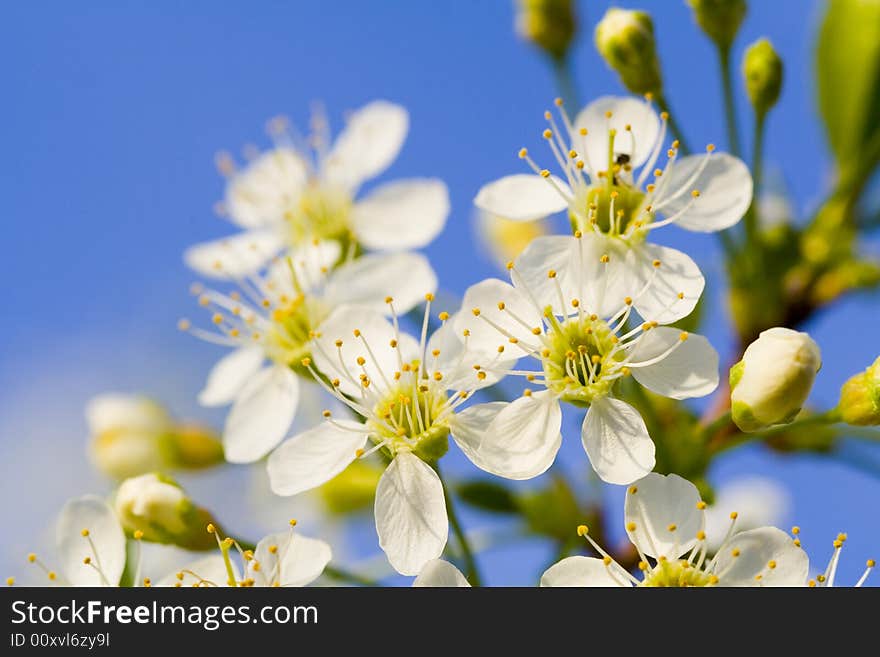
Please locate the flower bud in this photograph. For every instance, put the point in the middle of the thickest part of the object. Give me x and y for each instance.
(772, 381)
(719, 19)
(159, 508)
(762, 69)
(505, 239)
(549, 24)
(625, 39)
(353, 489)
(125, 434)
(132, 434)
(860, 398)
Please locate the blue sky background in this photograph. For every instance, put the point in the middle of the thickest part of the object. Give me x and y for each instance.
(113, 113)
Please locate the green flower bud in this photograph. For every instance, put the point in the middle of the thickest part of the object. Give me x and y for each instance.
(154, 508)
(719, 19)
(549, 24)
(353, 489)
(772, 381)
(762, 69)
(625, 39)
(860, 398)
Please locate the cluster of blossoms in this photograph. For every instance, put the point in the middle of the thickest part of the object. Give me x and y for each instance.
(323, 285)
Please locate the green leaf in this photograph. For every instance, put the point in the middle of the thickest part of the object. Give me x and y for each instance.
(848, 82)
(487, 495)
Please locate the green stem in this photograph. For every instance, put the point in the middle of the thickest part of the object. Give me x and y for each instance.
(739, 438)
(471, 571)
(565, 83)
(729, 105)
(343, 575)
(673, 125)
(716, 425)
(751, 218)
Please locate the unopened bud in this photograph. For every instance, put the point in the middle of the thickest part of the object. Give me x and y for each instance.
(772, 381)
(159, 508)
(719, 19)
(762, 69)
(625, 39)
(860, 398)
(549, 24)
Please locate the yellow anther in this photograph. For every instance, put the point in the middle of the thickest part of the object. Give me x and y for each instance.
(672, 527)
(701, 505)
(604, 259)
(443, 316)
(870, 563)
(481, 376)
(547, 134)
(306, 362)
(821, 578)
(572, 154)
(438, 376)
(10, 581)
(684, 335)
(551, 273)
(138, 534)
(392, 343)
(606, 560)
(335, 383)
(211, 529)
(838, 544)
(643, 565)
(476, 312)
(734, 515)
(841, 537)
(695, 193)
(710, 148)
(735, 552)
(795, 530)
(361, 360)
(501, 305)
(184, 325)
(537, 331)
(273, 549)
(204, 300)
(527, 393)
(631, 526)
(557, 101)
(326, 413)
(148, 582)
(429, 297)
(87, 560)
(523, 152)
(713, 579)
(292, 522)
(52, 575)
(217, 318)
(501, 349)
(545, 173)
(31, 557)
(771, 564)
(357, 333)
(758, 578)
(633, 490)
(701, 535)
(582, 132)
(583, 530)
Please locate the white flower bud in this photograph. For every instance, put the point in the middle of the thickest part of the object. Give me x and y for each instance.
(772, 381)
(154, 505)
(625, 39)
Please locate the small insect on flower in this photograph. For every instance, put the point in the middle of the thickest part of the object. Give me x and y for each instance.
(411, 394)
(274, 318)
(613, 184)
(297, 192)
(665, 521)
(571, 312)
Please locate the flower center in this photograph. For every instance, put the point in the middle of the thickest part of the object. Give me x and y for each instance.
(320, 212)
(413, 418)
(678, 573)
(615, 210)
(291, 329)
(581, 358)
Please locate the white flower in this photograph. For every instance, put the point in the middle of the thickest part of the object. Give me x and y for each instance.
(439, 573)
(90, 545)
(665, 522)
(600, 154)
(568, 311)
(272, 319)
(289, 196)
(773, 380)
(282, 559)
(827, 577)
(410, 393)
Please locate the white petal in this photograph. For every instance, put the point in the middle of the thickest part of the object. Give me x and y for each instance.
(262, 192)
(230, 375)
(315, 456)
(524, 197)
(617, 441)
(439, 573)
(757, 548)
(518, 440)
(209, 571)
(371, 140)
(404, 214)
(584, 571)
(369, 280)
(235, 256)
(105, 534)
(484, 337)
(601, 277)
(637, 142)
(261, 414)
(133, 413)
(557, 253)
(297, 560)
(376, 332)
(656, 503)
(691, 370)
(456, 363)
(410, 514)
(668, 292)
(725, 187)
